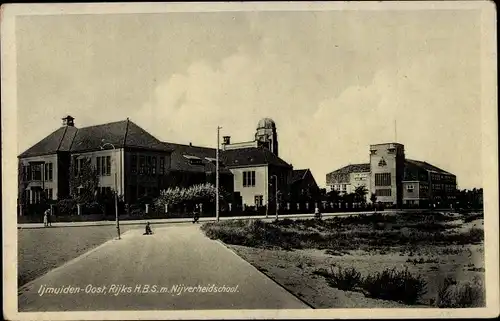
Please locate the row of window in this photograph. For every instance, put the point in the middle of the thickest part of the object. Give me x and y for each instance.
(146, 165)
(340, 187)
(103, 165)
(383, 179)
(33, 172)
(35, 196)
(383, 192)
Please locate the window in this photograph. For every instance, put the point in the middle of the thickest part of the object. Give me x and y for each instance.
(48, 172)
(249, 179)
(108, 165)
(383, 179)
(134, 164)
(142, 163)
(153, 165)
(36, 172)
(148, 165)
(383, 192)
(410, 188)
(98, 165)
(48, 193)
(259, 200)
(162, 165)
(344, 187)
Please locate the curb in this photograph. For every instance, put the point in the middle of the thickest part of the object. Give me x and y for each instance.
(267, 276)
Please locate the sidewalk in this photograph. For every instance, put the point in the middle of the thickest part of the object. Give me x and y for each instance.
(177, 268)
(188, 220)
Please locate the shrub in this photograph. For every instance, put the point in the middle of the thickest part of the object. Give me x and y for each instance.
(463, 295)
(344, 279)
(66, 207)
(395, 285)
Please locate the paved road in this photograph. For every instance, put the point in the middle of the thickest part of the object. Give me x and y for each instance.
(175, 255)
(203, 219)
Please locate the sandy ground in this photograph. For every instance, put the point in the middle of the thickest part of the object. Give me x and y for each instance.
(294, 270)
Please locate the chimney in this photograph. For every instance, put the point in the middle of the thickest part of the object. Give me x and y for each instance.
(227, 140)
(68, 121)
(190, 144)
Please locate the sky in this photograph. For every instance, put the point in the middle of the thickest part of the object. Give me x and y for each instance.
(333, 81)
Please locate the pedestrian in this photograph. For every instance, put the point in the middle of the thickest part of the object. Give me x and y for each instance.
(46, 218)
(317, 213)
(49, 217)
(196, 214)
(148, 229)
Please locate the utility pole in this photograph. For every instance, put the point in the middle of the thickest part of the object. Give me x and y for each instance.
(116, 186)
(276, 194)
(217, 176)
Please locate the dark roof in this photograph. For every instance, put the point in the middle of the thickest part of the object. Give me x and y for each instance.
(342, 175)
(426, 166)
(298, 174)
(182, 154)
(352, 168)
(120, 134)
(59, 140)
(251, 156)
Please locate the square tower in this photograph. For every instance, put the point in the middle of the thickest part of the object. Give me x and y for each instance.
(386, 172)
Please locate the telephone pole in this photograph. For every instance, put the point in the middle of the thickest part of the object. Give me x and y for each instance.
(217, 176)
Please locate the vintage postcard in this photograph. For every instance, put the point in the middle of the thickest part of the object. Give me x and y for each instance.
(249, 160)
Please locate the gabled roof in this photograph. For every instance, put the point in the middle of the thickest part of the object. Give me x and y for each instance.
(298, 174)
(120, 134)
(251, 156)
(426, 166)
(181, 155)
(59, 140)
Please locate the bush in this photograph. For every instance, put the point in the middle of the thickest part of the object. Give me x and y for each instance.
(66, 207)
(343, 279)
(463, 295)
(395, 285)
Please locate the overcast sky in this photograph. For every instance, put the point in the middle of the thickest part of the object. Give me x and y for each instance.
(334, 81)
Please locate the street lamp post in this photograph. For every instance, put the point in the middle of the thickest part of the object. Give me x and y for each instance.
(276, 193)
(116, 188)
(217, 176)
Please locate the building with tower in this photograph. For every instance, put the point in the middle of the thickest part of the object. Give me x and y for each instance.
(259, 173)
(134, 163)
(396, 180)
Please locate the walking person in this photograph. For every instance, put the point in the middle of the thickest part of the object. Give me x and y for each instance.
(46, 218)
(317, 213)
(49, 217)
(196, 214)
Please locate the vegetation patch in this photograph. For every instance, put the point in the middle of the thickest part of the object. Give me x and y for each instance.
(452, 294)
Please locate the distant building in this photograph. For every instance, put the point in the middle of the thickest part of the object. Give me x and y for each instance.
(394, 179)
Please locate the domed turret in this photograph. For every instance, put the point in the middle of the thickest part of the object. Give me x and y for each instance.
(266, 135)
(266, 123)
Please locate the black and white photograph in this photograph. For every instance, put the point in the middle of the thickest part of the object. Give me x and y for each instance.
(249, 160)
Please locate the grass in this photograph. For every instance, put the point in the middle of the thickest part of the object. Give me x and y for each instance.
(390, 284)
(377, 231)
(452, 294)
(43, 249)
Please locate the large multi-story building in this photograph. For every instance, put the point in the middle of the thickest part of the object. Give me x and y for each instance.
(394, 179)
(134, 163)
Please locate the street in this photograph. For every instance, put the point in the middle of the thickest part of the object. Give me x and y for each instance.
(184, 268)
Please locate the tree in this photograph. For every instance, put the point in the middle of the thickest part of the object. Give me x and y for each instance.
(373, 198)
(84, 181)
(360, 194)
(333, 196)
